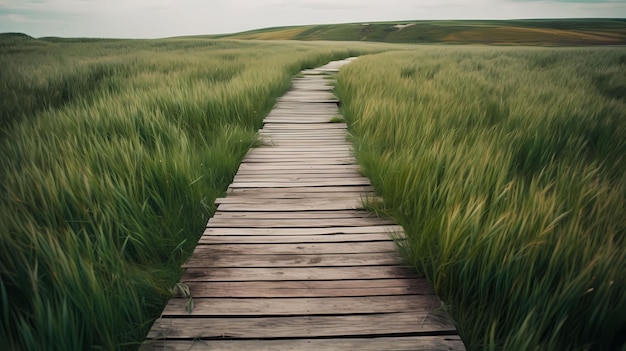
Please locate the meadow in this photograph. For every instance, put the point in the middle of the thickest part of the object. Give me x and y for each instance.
(112, 154)
(506, 168)
(504, 165)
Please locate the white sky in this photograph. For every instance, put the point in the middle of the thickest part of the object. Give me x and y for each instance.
(164, 18)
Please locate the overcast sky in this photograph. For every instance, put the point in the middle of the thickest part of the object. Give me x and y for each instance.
(164, 18)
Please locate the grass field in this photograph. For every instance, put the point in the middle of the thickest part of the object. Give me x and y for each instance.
(550, 32)
(112, 154)
(506, 168)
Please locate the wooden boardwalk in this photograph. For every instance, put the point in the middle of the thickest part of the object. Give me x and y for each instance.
(290, 261)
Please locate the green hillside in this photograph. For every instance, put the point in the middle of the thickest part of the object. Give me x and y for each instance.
(514, 32)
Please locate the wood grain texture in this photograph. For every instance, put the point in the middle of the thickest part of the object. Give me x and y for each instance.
(315, 288)
(293, 260)
(302, 326)
(296, 248)
(300, 306)
(286, 239)
(298, 273)
(304, 231)
(406, 343)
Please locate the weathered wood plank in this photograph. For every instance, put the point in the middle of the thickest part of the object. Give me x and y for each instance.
(269, 206)
(317, 126)
(324, 161)
(253, 166)
(298, 149)
(263, 201)
(405, 343)
(297, 273)
(284, 207)
(298, 177)
(295, 248)
(294, 196)
(318, 183)
(213, 307)
(305, 260)
(293, 215)
(298, 156)
(304, 327)
(303, 189)
(315, 288)
(301, 178)
(284, 239)
(304, 231)
(294, 223)
(287, 194)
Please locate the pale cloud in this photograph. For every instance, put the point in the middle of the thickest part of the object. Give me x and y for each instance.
(163, 18)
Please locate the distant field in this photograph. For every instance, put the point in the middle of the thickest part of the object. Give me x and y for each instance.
(515, 32)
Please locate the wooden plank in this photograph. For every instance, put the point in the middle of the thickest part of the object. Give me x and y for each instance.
(301, 142)
(282, 111)
(265, 177)
(306, 214)
(269, 127)
(317, 306)
(304, 139)
(403, 343)
(319, 148)
(328, 189)
(299, 185)
(292, 152)
(308, 106)
(301, 178)
(316, 260)
(309, 203)
(295, 248)
(269, 206)
(294, 223)
(311, 100)
(302, 189)
(304, 231)
(336, 150)
(300, 154)
(331, 134)
(339, 173)
(329, 159)
(324, 161)
(306, 326)
(316, 288)
(297, 273)
(285, 194)
(253, 166)
(285, 239)
(313, 195)
(298, 121)
(309, 134)
(312, 201)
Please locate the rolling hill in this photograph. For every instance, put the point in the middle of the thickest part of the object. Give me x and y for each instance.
(551, 32)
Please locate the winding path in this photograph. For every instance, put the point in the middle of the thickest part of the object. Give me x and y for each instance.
(291, 261)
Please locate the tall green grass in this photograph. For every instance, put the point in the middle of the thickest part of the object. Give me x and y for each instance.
(506, 168)
(112, 155)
